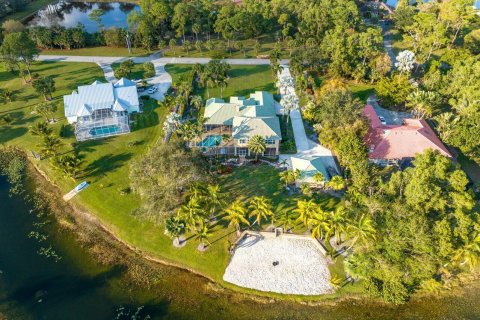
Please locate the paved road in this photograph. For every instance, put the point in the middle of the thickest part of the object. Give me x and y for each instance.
(387, 43)
(152, 58)
(162, 80)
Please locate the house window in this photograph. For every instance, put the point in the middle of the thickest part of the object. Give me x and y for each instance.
(242, 141)
(270, 141)
(242, 151)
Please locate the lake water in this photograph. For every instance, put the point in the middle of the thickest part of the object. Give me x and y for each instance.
(69, 14)
(33, 286)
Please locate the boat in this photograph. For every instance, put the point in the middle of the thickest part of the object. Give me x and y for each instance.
(81, 186)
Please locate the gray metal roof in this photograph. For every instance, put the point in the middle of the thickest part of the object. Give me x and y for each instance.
(246, 127)
(99, 96)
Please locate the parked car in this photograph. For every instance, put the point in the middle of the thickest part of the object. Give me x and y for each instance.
(382, 120)
(152, 90)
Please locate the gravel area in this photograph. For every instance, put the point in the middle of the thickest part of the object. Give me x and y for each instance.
(301, 269)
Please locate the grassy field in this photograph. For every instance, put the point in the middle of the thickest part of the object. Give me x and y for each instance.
(98, 51)
(137, 70)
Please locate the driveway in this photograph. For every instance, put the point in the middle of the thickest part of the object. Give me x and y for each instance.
(391, 117)
(305, 146)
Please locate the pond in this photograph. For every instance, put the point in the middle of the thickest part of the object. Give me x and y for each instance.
(76, 286)
(70, 14)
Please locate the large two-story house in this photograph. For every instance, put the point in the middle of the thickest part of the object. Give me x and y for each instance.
(101, 109)
(240, 119)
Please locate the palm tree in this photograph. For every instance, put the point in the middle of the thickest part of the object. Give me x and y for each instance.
(305, 210)
(337, 222)
(174, 227)
(318, 224)
(222, 82)
(172, 44)
(257, 145)
(423, 103)
(191, 213)
(287, 219)
(469, 254)
(318, 177)
(202, 233)
(336, 183)
(196, 102)
(361, 231)
(69, 164)
(288, 177)
(284, 163)
(215, 198)
(8, 119)
(260, 208)
(187, 46)
(235, 215)
(40, 129)
(50, 145)
(7, 95)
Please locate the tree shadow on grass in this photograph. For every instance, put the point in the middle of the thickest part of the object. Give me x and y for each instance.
(106, 164)
(8, 133)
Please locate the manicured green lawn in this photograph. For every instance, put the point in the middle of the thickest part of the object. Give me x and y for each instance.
(137, 70)
(361, 90)
(98, 51)
(244, 80)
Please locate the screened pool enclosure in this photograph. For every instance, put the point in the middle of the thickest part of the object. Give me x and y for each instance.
(102, 123)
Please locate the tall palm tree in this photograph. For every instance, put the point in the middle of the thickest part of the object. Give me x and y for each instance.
(337, 222)
(319, 225)
(40, 129)
(289, 102)
(260, 208)
(305, 210)
(222, 82)
(287, 219)
(318, 178)
(423, 103)
(196, 101)
(336, 183)
(69, 164)
(191, 213)
(202, 233)
(361, 231)
(287, 176)
(284, 163)
(257, 145)
(215, 198)
(469, 254)
(235, 214)
(50, 145)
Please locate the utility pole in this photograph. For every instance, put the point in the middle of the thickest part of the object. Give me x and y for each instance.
(129, 45)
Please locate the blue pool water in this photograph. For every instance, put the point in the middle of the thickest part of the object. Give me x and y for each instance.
(210, 141)
(104, 130)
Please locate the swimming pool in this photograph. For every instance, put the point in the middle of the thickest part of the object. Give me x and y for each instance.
(100, 131)
(210, 141)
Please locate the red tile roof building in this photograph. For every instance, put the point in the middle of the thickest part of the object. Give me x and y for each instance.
(392, 143)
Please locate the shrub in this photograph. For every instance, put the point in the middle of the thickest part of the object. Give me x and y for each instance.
(149, 70)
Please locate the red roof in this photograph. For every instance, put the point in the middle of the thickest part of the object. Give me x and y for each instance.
(393, 142)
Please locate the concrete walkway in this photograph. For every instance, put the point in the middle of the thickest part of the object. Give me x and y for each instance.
(305, 146)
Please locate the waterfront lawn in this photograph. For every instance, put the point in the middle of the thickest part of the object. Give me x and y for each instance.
(29, 9)
(102, 51)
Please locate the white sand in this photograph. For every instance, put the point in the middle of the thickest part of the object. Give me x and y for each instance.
(302, 268)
